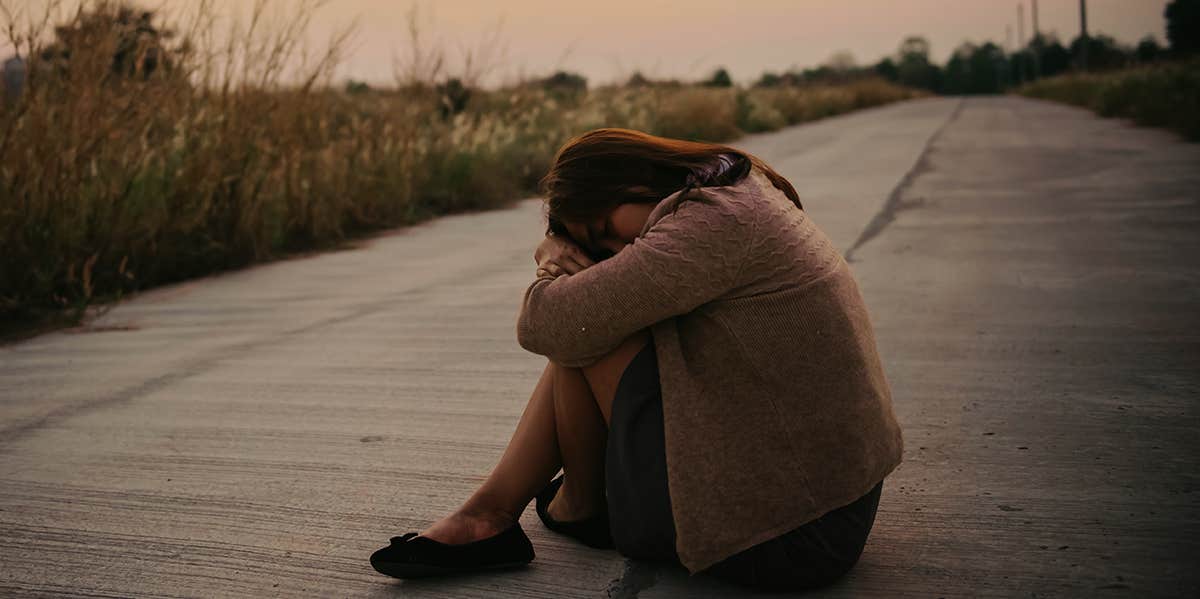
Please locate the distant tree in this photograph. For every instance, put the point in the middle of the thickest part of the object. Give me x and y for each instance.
(787, 78)
(914, 46)
(989, 69)
(913, 66)
(719, 78)
(138, 46)
(637, 80)
(1022, 66)
(838, 68)
(452, 97)
(1103, 52)
(563, 80)
(768, 79)
(841, 61)
(886, 68)
(976, 69)
(1052, 57)
(821, 73)
(957, 73)
(355, 87)
(1183, 26)
(1148, 49)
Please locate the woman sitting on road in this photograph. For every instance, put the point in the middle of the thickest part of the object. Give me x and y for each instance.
(713, 392)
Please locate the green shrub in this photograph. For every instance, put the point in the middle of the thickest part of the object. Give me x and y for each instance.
(1159, 95)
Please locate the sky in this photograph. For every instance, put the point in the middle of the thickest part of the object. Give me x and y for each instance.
(608, 40)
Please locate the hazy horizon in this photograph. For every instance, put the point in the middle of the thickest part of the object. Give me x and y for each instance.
(607, 41)
(689, 40)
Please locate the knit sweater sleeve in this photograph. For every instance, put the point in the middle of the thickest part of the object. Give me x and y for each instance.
(688, 257)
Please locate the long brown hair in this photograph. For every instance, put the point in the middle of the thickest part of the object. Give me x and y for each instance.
(596, 171)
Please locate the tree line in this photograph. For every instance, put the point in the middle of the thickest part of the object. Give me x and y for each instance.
(987, 68)
(972, 68)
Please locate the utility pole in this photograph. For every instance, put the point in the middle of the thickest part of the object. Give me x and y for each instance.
(1037, 49)
(1020, 25)
(1019, 55)
(1083, 35)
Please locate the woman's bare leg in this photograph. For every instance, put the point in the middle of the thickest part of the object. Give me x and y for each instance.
(583, 435)
(530, 460)
(582, 492)
(564, 425)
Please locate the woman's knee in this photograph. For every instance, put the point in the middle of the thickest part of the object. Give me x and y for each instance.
(601, 377)
(607, 371)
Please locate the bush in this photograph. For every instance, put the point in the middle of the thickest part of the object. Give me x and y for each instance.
(699, 113)
(719, 78)
(1158, 95)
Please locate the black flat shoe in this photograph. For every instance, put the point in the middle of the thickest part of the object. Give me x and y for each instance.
(593, 532)
(413, 556)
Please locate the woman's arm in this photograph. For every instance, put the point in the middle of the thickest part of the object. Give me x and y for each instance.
(689, 257)
(557, 255)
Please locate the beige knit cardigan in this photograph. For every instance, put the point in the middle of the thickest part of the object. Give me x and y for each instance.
(775, 406)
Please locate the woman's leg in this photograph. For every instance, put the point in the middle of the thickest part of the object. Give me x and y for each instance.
(563, 425)
(582, 492)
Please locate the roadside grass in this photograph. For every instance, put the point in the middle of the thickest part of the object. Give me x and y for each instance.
(1159, 95)
(114, 184)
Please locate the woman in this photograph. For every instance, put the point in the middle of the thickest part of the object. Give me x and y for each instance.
(713, 393)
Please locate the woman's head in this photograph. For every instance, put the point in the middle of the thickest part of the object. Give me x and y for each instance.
(612, 178)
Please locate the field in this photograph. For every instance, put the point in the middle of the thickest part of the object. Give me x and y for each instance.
(115, 177)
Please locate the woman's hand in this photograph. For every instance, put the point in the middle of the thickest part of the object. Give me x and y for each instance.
(558, 255)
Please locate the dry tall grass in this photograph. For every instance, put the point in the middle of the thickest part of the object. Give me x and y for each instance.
(1166, 94)
(114, 180)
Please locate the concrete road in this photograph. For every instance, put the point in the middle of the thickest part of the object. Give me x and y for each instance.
(1031, 270)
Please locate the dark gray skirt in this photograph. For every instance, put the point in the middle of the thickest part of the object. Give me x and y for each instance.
(639, 504)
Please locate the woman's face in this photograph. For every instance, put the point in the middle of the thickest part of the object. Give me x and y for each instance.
(609, 234)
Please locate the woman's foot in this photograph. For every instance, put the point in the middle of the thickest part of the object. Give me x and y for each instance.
(464, 526)
(566, 508)
(413, 555)
(589, 526)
